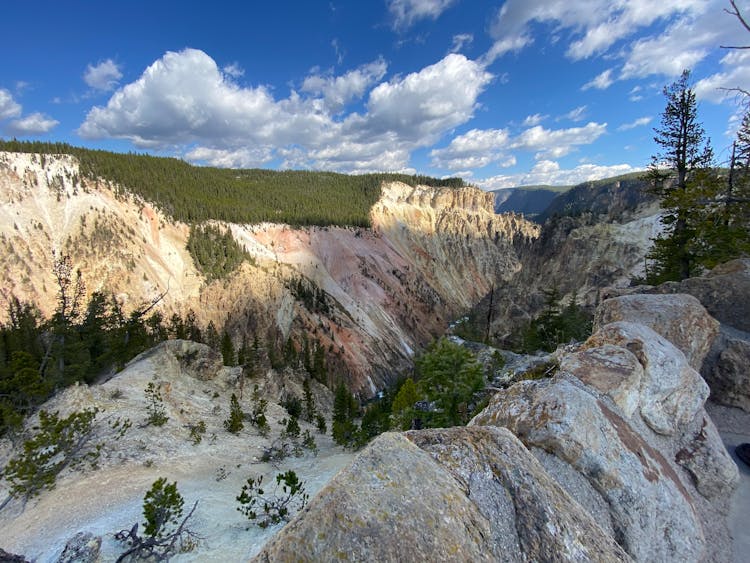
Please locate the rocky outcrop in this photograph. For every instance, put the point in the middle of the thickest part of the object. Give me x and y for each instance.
(84, 547)
(380, 293)
(729, 376)
(679, 318)
(621, 427)
(720, 291)
(460, 494)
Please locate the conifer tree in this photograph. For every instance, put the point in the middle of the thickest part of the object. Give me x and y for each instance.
(685, 153)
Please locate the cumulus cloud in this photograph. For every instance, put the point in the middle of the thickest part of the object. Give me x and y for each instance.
(337, 91)
(184, 98)
(32, 124)
(103, 76)
(8, 106)
(406, 12)
(473, 149)
(234, 70)
(555, 143)
(600, 82)
(640, 122)
(548, 172)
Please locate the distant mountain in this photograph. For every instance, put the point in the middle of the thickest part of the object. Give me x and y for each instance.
(612, 197)
(529, 200)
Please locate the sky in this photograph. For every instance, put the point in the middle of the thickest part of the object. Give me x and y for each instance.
(501, 93)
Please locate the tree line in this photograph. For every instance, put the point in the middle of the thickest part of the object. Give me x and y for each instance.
(194, 194)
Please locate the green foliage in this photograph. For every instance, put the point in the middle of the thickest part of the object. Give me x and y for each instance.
(309, 401)
(402, 410)
(165, 531)
(555, 325)
(162, 508)
(705, 213)
(234, 423)
(157, 413)
(449, 376)
(293, 406)
(320, 423)
(215, 252)
(38, 356)
(56, 444)
(291, 427)
(227, 350)
(196, 194)
(308, 442)
(276, 507)
(257, 414)
(345, 410)
(196, 432)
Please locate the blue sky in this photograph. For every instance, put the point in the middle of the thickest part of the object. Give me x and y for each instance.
(501, 93)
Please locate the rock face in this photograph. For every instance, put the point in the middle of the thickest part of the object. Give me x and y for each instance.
(382, 293)
(724, 293)
(621, 428)
(626, 413)
(460, 494)
(720, 292)
(679, 318)
(729, 377)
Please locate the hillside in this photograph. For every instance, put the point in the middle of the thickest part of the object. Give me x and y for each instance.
(529, 200)
(382, 292)
(194, 194)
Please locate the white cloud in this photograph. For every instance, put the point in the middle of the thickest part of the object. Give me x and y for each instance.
(185, 99)
(460, 40)
(473, 149)
(532, 120)
(230, 158)
(424, 104)
(640, 122)
(736, 74)
(8, 106)
(555, 143)
(576, 114)
(234, 70)
(32, 124)
(635, 94)
(103, 76)
(548, 172)
(596, 24)
(406, 12)
(337, 91)
(600, 82)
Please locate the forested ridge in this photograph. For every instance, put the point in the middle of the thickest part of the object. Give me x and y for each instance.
(194, 194)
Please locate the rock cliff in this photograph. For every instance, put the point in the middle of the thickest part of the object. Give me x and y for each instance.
(431, 254)
(612, 459)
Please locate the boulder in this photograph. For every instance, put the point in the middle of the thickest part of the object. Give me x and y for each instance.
(723, 292)
(459, 494)
(679, 318)
(84, 547)
(729, 374)
(650, 506)
(671, 392)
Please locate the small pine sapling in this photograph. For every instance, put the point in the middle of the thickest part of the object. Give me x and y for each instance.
(320, 422)
(266, 510)
(196, 432)
(234, 423)
(157, 414)
(164, 529)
